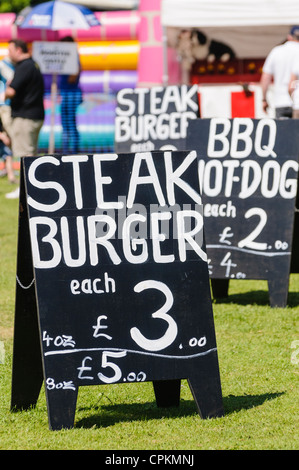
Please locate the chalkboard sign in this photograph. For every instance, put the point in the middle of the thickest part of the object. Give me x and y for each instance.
(248, 171)
(112, 281)
(154, 118)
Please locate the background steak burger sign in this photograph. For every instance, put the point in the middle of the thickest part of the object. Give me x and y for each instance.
(152, 118)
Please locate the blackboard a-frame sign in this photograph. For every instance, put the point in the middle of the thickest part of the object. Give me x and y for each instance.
(154, 118)
(248, 171)
(112, 281)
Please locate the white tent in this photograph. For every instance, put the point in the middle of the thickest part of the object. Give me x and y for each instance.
(250, 27)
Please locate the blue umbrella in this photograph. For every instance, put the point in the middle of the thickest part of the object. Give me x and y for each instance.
(56, 15)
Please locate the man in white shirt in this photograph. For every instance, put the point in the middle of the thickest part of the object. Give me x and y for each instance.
(277, 67)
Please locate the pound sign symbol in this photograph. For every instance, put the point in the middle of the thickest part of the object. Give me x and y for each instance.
(98, 327)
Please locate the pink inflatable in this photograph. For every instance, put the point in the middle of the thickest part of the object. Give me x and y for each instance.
(115, 25)
(150, 64)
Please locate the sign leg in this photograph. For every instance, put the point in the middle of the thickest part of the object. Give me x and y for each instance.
(204, 382)
(295, 244)
(27, 373)
(220, 288)
(278, 291)
(167, 392)
(61, 408)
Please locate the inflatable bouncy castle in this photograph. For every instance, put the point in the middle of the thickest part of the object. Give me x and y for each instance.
(109, 60)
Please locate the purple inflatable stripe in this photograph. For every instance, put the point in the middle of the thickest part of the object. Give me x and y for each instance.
(93, 111)
(102, 81)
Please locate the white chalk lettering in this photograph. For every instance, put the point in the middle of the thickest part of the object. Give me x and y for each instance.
(172, 328)
(48, 251)
(91, 239)
(151, 127)
(145, 114)
(182, 98)
(93, 286)
(66, 242)
(49, 239)
(152, 178)
(174, 178)
(133, 243)
(220, 210)
(76, 160)
(186, 238)
(94, 241)
(241, 143)
(101, 180)
(59, 197)
(46, 185)
(271, 179)
(99, 326)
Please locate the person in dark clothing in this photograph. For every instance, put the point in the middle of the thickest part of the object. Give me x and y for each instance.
(71, 98)
(26, 92)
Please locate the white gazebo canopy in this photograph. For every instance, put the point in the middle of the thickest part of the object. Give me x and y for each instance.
(250, 27)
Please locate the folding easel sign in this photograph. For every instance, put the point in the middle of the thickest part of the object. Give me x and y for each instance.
(112, 281)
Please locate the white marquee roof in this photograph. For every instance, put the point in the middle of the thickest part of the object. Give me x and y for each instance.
(251, 27)
(195, 13)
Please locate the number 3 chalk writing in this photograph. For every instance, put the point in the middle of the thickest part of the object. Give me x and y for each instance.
(172, 330)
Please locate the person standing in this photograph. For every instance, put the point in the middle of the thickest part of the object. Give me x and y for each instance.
(7, 70)
(294, 89)
(5, 154)
(277, 67)
(26, 92)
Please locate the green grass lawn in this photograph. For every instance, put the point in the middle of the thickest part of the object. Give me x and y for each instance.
(259, 367)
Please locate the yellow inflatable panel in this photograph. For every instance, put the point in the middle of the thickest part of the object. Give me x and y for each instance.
(102, 55)
(3, 49)
(109, 55)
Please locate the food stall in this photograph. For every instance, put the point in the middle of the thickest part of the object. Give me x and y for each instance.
(222, 45)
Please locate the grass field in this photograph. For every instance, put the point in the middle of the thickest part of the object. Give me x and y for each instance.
(258, 350)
